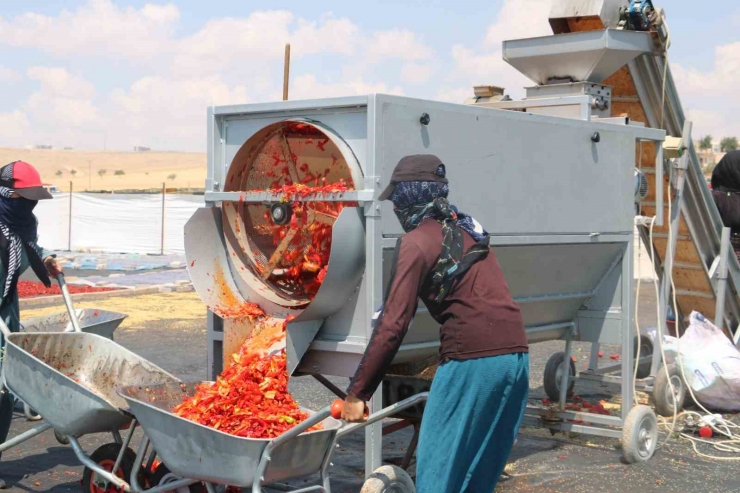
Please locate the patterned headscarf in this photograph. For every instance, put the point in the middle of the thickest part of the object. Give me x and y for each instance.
(415, 201)
(18, 227)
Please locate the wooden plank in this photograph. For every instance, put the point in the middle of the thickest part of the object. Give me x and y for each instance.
(651, 188)
(692, 280)
(580, 24)
(649, 154)
(621, 82)
(631, 109)
(705, 306)
(685, 251)
(649, 211)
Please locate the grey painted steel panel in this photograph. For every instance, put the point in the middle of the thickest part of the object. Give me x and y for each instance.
(349, 123)
(344, 270)
(584, 56)
(561, 205)
(517, 173)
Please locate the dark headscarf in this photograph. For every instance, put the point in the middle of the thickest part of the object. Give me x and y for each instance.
(18, 231)
(416, 201)
(726, 175)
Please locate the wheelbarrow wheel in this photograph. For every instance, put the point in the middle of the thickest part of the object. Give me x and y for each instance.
(664, 401)
(388, 479)
(554, 376)
(105, 456)
(639, 435)
(162, 476)
(646, 349)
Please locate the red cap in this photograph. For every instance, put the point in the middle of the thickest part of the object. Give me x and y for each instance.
(27, 182)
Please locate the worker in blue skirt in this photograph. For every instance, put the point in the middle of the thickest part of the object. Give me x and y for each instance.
(479, 393)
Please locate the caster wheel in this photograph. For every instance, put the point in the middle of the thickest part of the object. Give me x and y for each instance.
(388, 479)
(639, 435)
(664, 401)
(646, 349)
(61, 438)
(162, 476)
(554, 375)
(106, 456)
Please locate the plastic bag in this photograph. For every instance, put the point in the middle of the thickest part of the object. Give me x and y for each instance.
(711, 363)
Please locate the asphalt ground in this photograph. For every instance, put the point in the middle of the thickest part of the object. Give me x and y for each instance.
(539, 460)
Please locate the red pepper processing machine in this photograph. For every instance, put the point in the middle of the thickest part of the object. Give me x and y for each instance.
(553, 178)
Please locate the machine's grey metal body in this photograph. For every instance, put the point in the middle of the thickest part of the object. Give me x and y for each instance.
(92, 321)
(492, 166)
(526, 177)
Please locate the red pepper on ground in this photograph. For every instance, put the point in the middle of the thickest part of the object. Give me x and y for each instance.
(30, 289)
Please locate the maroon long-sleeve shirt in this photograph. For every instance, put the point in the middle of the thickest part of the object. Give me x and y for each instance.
(478, 317)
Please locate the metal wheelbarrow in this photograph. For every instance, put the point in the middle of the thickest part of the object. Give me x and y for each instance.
(193, 454)
(89, 320)
(70, 378)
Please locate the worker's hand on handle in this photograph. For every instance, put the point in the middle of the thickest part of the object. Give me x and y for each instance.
(52, 267)
(352, 410)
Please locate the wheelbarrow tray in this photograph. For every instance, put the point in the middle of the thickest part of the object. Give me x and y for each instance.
(191, 450)
(71, 379)
(92, 321)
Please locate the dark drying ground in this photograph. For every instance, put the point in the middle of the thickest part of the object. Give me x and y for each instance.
(539, 461)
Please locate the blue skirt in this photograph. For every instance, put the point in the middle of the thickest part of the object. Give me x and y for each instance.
(471, 419)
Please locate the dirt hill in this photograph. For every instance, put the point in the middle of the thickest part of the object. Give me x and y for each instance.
(99, 170)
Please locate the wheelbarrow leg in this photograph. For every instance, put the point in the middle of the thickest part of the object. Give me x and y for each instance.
(406, 462)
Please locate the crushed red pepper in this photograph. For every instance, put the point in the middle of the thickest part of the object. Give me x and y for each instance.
(30, 289)
(249, 399)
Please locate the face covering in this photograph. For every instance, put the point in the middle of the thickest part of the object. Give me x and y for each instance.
(17, 215)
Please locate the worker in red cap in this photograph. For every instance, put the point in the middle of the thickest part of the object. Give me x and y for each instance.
(20, 191)
(479, 392)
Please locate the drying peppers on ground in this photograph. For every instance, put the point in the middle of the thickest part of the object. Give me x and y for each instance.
(30, 289)
(250, 398)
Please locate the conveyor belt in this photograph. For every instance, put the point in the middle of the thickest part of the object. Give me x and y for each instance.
(638, 93)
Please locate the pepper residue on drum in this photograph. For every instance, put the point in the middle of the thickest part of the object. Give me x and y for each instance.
(250, 397)
(297, 162)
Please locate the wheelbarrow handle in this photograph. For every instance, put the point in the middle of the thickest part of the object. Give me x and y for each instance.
(337, 408)
(68, 302)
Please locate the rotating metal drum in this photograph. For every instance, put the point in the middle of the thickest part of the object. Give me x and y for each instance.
(297, 249)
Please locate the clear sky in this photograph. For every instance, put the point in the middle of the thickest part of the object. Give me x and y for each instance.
(89, 73)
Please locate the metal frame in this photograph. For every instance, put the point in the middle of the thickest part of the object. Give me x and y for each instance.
(698, 208)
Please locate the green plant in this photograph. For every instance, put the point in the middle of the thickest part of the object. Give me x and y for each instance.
(705, 143)
(709, 168)
(59, 172)
(172, 177)
(119, 172)
(729, 144)
(73, 172)
(102, 172)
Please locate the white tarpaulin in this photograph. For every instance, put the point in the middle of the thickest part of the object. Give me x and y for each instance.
(126, 223)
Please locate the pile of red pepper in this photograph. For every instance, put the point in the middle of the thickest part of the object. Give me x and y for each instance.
(30, 289)
(249, 399)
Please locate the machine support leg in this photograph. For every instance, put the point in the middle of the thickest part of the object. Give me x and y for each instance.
(565, 379)
(406, 462)
(374, 436)
(593, 361)
(724, 251)
(626, 323)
